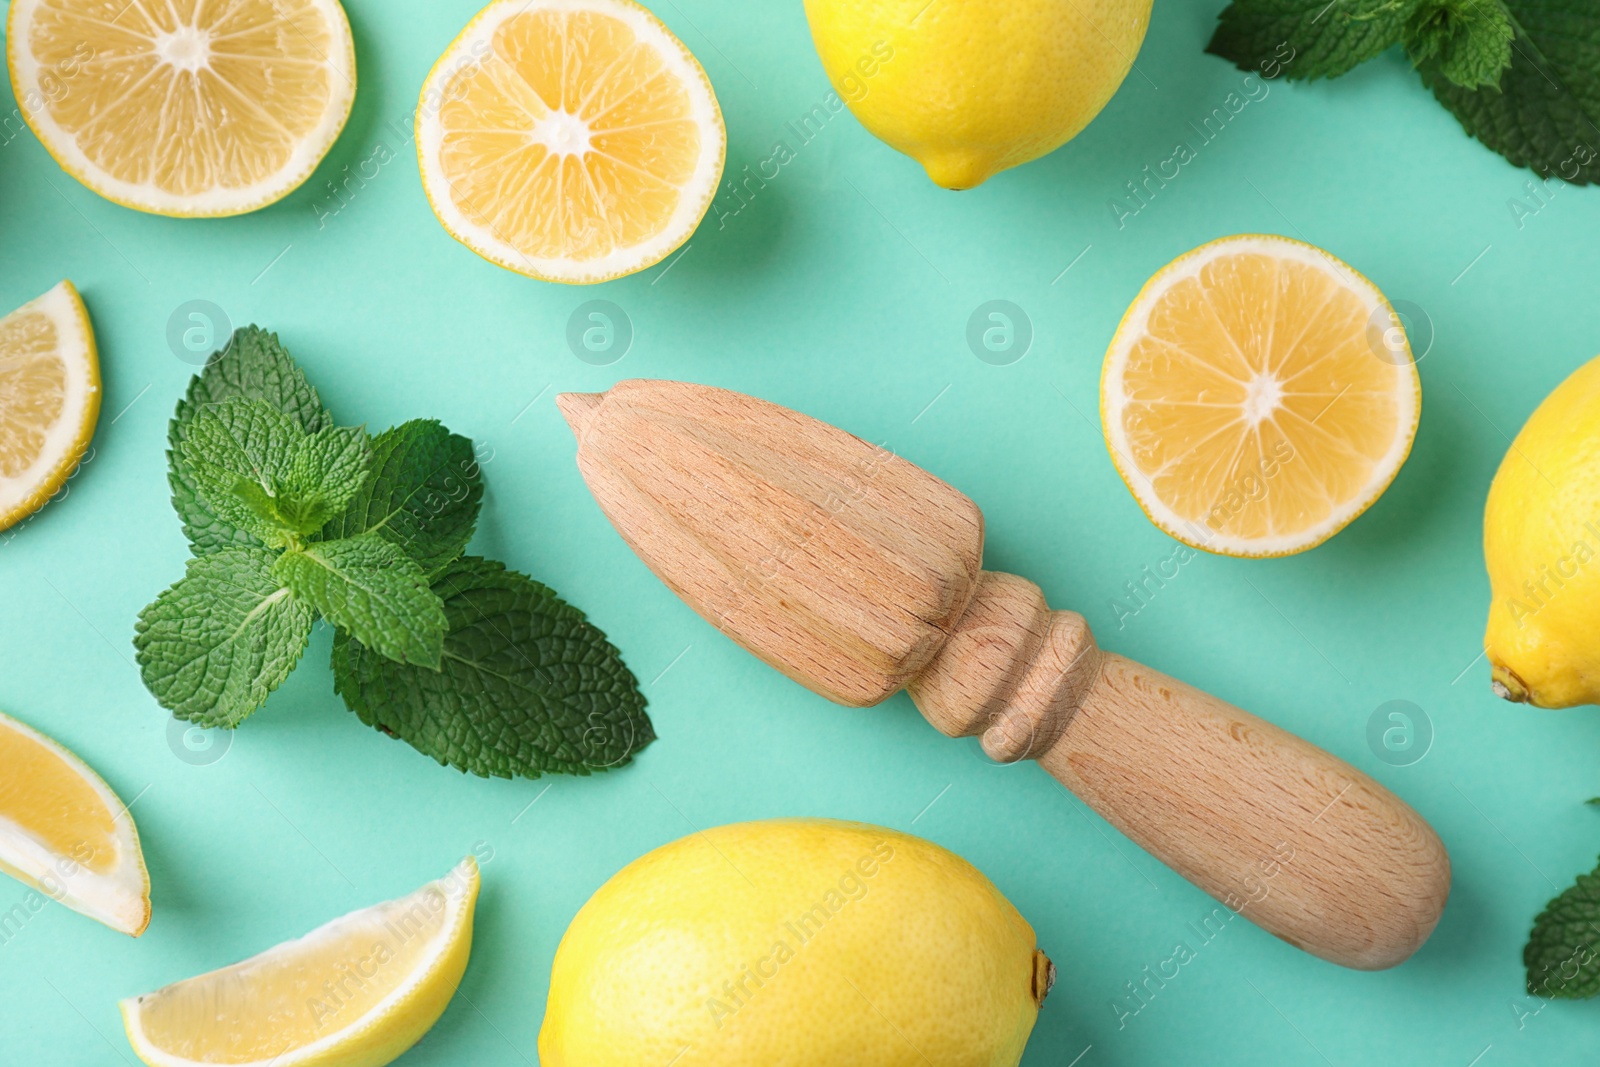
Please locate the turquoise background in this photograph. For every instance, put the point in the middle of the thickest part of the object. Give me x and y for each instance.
(842, 289)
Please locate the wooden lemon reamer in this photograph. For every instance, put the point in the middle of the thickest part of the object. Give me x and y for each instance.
(858, 574)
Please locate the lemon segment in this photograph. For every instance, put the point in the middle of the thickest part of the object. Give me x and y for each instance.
(65, 833)
(205, 108)
(49, 399)
(1258, 396)
(357, 992)
(569, 140)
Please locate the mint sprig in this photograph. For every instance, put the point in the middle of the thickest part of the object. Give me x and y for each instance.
(292, 518)
(1522, 76)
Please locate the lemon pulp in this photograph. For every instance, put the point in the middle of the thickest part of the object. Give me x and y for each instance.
(569, 141)
(202, 107)
(65, 833)
(49, 399)
(1258, 396)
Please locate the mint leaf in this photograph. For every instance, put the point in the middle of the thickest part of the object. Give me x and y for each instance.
(1469, 40)
(372, 589)
(214, 645)
(424, 494)
(1545, 113)
(327, 471)
(1563, 952)
(527, 685)
(235, 453)
(1308, 38)
(252, 365)
(255, 469)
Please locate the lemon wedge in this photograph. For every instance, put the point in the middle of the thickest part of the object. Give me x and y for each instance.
(65, 833)
(193, 109)
(1258, 396)
(49, 399)
(569, 140)
(357, 992)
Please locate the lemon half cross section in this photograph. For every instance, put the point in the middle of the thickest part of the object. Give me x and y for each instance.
(49, 399)
(65, 833)
(569, 140)
(1258, 396)
(357, 992)
(189, 107)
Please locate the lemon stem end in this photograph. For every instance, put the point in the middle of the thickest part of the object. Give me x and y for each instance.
(1044, 977)
(1507, 686)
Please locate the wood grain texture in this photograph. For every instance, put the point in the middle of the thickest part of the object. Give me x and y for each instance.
(833, 560)
(857, 574)
(1284, 833)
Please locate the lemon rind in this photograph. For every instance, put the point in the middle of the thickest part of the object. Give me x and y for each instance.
(366, 1034)
(119, 898)
(215, 203)
(489, 245)
(70, 439)
(1113, 401)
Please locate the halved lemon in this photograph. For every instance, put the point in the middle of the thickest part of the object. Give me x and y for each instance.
(65, 833)
(1258, 396)
(357, 992)
(569, 140)
(49, 399)
(192, 108)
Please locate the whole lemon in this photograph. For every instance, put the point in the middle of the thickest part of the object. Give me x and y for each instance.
(795, 942)
(969, 88)
(1541, 539)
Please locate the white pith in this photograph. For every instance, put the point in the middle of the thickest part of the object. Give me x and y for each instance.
(76, 349)
(460, 889)
(187, 49)
(1265, 397)
(562, 134)
(476, 41)
(119, 898)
